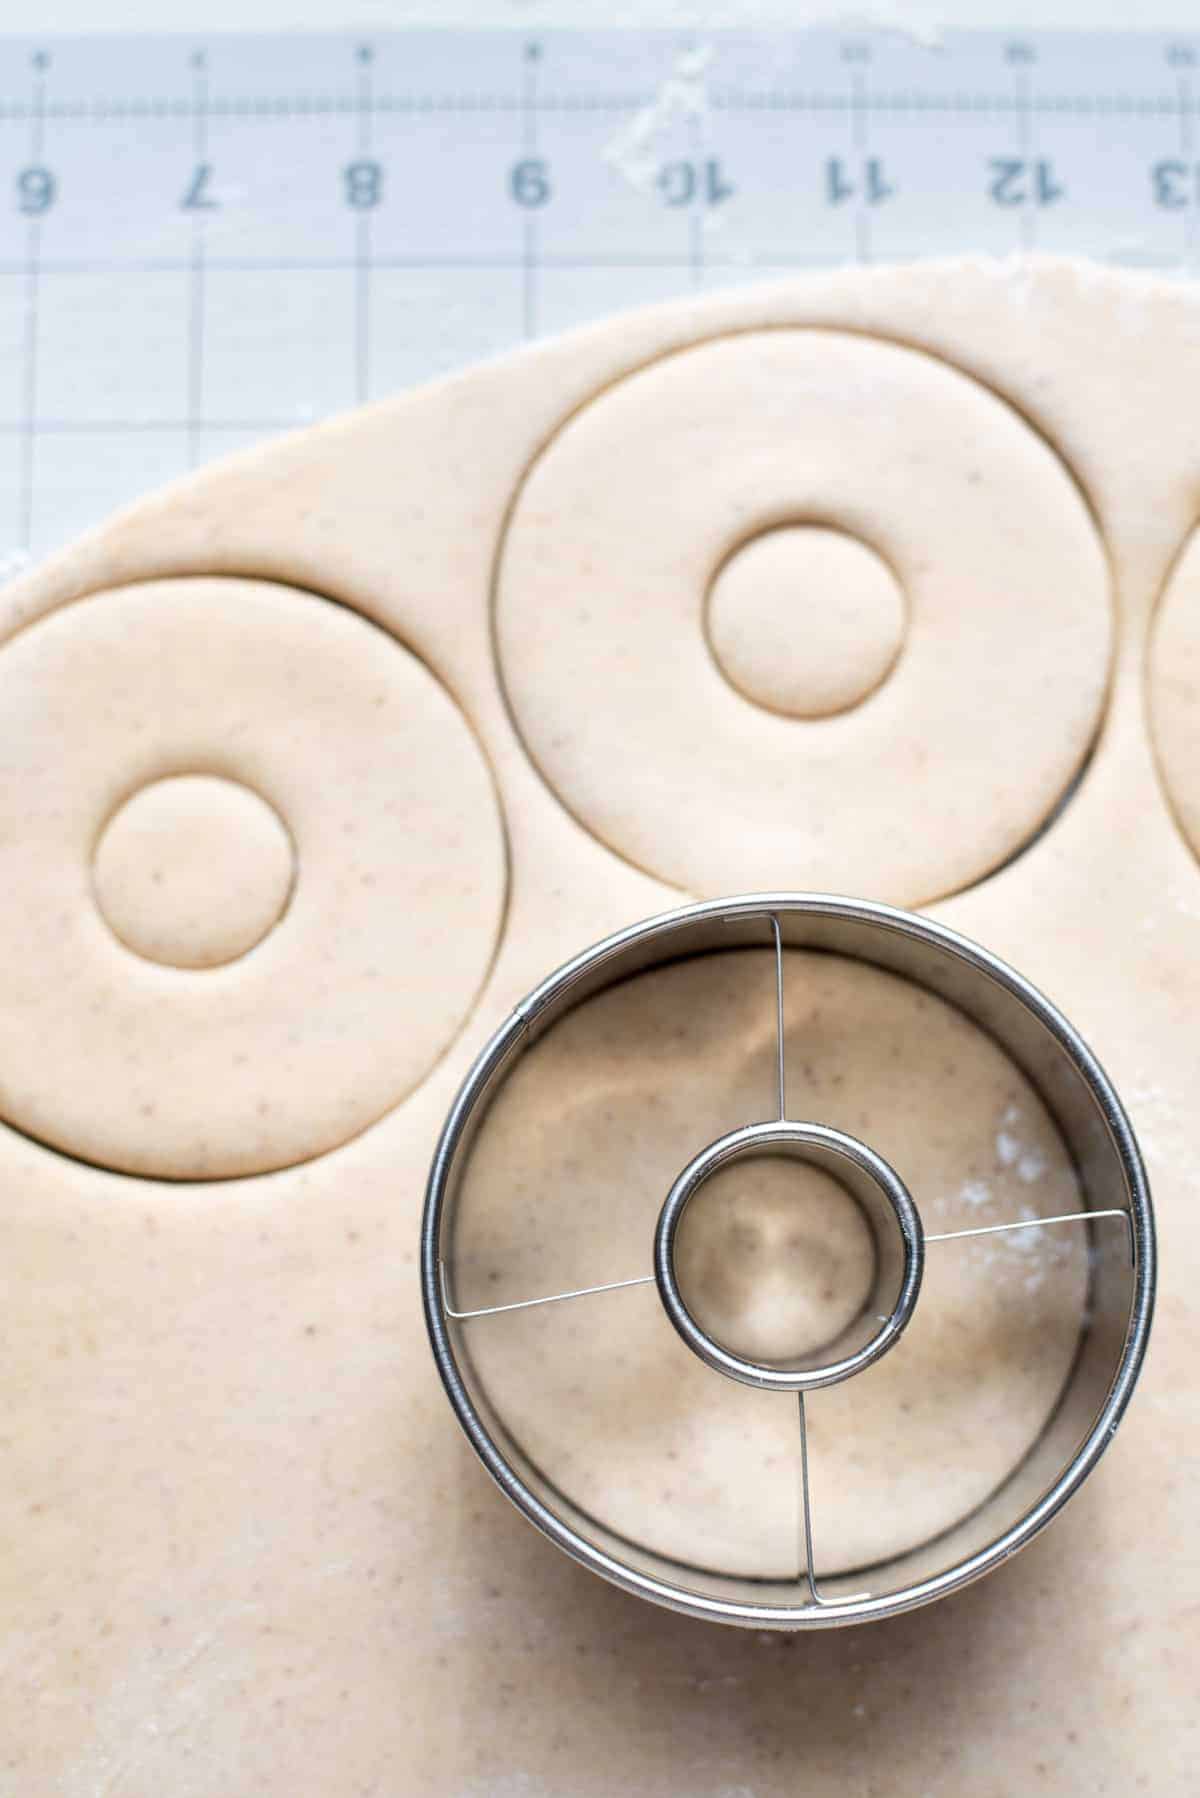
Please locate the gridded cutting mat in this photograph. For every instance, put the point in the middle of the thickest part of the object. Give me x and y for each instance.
(206, 242)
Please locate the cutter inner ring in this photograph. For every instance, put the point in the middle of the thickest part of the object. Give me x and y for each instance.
(899, 1252)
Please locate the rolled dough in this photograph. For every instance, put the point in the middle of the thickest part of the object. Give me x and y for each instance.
(248, 1549)
(124, 717)
(193, 870)
(805, 621)
(669, 480)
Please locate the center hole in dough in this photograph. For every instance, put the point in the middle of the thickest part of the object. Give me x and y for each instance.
(193, 871)
(774, 1258)
(805, 620)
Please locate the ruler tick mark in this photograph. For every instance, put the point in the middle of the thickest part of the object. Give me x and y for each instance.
(880, 126)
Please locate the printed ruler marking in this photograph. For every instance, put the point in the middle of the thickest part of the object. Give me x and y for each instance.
(364, 191)
(636, 165)
(198, 201)
(35, 196)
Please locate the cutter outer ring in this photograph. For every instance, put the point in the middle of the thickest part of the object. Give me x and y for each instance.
(545, 1003)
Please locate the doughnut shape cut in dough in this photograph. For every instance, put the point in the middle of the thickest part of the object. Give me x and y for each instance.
(949, 763)
(192, 871)
(805, 621)
(351, 994)
(1175, 691)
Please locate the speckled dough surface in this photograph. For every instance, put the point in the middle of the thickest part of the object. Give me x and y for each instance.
(311, 766)
(120, 1041)
(648, 497)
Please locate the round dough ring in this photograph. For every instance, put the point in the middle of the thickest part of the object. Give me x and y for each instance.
(344, 1006)
(949, 765)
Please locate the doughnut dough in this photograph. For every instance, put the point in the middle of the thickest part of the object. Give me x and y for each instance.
(248, 1548)
(647, 505)
(1175, 690)
(162, 749)
(805, 621)
(192, 871)
(774, 1259)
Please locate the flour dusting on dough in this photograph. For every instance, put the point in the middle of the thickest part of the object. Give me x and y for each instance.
(1026, 1160)
(1026, 1242)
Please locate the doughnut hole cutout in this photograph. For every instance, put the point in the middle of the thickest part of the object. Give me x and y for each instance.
(805, 621)
(193, 871)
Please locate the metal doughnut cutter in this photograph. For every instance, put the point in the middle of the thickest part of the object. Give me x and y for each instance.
(1116, 1217)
